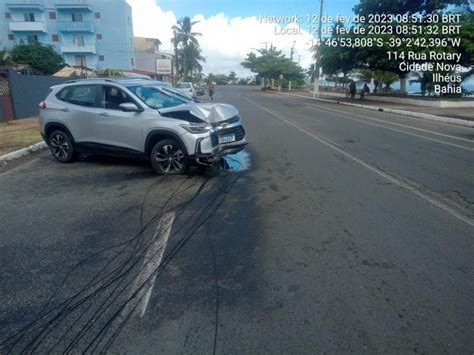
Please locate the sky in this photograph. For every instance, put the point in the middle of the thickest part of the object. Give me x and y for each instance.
(232, 29)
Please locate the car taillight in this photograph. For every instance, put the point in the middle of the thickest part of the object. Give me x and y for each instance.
(42, 105)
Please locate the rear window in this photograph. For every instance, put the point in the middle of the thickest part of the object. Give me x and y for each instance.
(84, 95)
(182, 85)
(63, 94)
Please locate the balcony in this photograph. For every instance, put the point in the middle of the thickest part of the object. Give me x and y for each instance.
(84, 6)
(70, 26)
(89, 48)
(37, 26)
(27, 5)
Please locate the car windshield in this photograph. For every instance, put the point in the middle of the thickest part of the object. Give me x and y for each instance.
(179, 94)
(182, 85)
(156, 97)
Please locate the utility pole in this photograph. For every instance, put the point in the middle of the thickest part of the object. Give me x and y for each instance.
(292, 51)
(318, 53)
(266, 48)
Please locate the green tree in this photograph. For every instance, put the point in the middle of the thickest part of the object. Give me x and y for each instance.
(375, 58)
(184, 36)
(40, 57)
(232, 76)
(193, 57)
(336, 59)
(385, 77)
(271, 63)
(219, 79)
(5, 57)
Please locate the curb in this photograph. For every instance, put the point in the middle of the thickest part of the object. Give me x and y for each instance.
(22, 152)
(426, 116)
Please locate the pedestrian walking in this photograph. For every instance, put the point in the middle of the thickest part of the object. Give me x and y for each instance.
(210, 89)
(352, 89)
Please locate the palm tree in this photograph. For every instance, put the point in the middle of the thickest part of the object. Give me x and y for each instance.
(185, 36)
(310, 72)
(194, 57)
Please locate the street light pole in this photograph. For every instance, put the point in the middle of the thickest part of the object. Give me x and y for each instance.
(292, 51)
(318, 53)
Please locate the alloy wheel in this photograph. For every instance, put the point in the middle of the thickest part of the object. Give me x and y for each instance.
(170, 159)
(60, 146)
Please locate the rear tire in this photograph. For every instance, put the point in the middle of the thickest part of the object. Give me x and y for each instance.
(61, 146)
(168, 157)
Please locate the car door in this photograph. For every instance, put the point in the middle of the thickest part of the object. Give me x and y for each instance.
(81, 112)
(119, 128)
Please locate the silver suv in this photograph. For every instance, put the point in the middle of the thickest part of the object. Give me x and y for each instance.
(141, 118)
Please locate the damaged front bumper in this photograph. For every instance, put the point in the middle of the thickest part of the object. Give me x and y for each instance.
(208, 150)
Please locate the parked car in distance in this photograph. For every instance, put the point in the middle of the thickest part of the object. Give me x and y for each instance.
(187, 87)
(140, 118)
(200, 89)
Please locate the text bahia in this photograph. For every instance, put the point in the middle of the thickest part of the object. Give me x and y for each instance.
(448, 89)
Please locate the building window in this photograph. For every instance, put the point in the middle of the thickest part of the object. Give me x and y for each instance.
(101, 58)
(78, 40)
(97, 15)
(8, 15)
(76, 17)
(80, 61)
(29, 17)
(11, 37)
(52, 15)
(55, 38)
(132, 61)
(98, 36)
(32, 38)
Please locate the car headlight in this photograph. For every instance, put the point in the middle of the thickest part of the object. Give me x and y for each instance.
(197, 127)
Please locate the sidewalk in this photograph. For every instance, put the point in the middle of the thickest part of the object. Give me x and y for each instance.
(18, 134)
(461, 113)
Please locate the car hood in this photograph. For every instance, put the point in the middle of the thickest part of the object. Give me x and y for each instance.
(208, 112)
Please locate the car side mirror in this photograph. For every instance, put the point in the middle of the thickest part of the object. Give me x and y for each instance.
(129, 107)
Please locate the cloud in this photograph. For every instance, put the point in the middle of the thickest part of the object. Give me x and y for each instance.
(225, 41)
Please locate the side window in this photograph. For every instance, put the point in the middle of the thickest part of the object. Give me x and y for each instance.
(63, 94)
(84, 95)
(113, 97)
(154, 98)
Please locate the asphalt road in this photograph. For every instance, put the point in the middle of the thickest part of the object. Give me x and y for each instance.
(338, 230)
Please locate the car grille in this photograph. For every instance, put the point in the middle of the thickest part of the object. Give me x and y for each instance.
(238, 131)
(214, 139)
(229, 121)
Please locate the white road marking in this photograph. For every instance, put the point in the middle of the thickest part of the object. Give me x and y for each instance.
(393, 123)
(151, 262)
(399, 130)
(399, 115)
(344, 114)
(329, 143)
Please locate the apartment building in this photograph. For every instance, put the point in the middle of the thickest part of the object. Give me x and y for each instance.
(96, 34)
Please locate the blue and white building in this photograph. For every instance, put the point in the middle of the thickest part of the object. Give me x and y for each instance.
(96, 34)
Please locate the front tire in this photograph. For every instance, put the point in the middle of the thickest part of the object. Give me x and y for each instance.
(168, 157)
(61, 146)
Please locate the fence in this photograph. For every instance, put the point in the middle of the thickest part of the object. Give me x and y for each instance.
(20, 94)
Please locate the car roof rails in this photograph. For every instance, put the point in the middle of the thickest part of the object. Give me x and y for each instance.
(88, 79)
